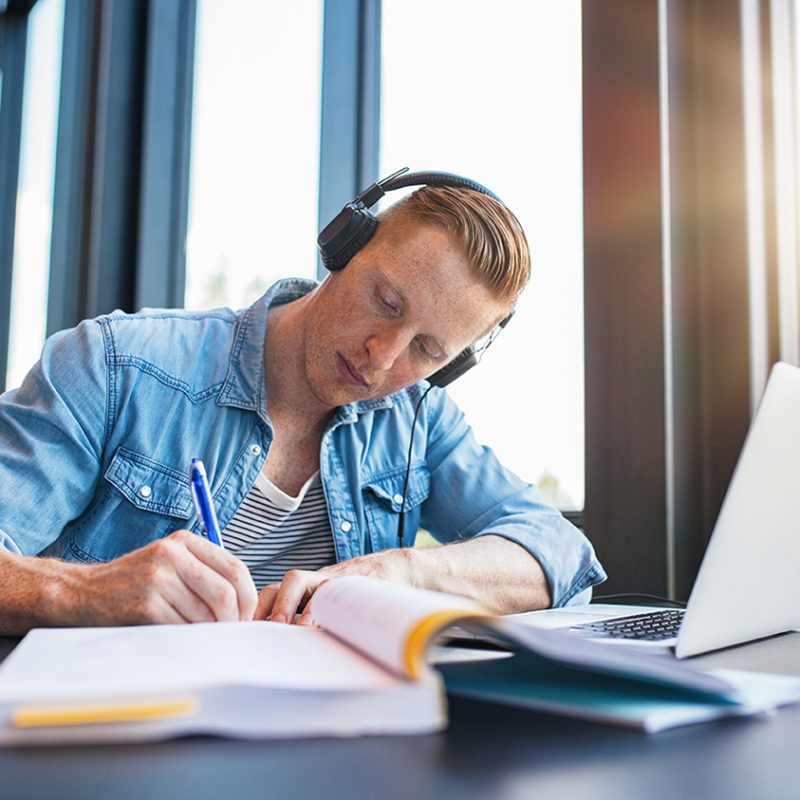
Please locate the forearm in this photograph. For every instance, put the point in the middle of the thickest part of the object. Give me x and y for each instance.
(35, 592)
(491, 569)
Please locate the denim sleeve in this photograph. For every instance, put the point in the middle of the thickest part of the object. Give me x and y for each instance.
(52, 431)
(472, 494)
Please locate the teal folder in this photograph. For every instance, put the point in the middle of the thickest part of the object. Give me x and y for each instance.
(530, 681)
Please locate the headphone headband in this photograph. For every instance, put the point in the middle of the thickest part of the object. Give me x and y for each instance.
(403, 178)
(355, 224)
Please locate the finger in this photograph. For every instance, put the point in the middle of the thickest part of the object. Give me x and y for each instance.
(185, 602)
(152, 608)
(171, 616)
(266, 600)
(307, 618)
(212, 588)
(178, 553)
(164, 613)
(232, 569)
(295, 589)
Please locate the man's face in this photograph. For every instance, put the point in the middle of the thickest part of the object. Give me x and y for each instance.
(400, 310)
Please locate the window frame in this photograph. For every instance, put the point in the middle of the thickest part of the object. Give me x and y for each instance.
(13, 45)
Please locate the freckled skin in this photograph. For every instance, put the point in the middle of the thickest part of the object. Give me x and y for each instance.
(441, 301)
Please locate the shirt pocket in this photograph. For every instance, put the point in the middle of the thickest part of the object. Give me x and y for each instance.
(141, 500)
(383, 500)
(150, 485)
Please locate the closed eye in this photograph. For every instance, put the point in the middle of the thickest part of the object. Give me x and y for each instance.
(425, 350)
(389, 306)
(386, 304)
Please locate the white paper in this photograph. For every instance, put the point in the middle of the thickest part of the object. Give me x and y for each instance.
(74, 663)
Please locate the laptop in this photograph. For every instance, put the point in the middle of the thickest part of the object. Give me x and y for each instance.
(748, 586)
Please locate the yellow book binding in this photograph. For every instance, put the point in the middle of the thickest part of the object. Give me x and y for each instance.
(424, 631)
(40, 716)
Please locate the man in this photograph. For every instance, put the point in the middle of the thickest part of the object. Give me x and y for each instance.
(302, 409)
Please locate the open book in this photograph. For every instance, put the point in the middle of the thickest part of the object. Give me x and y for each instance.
(362, 672)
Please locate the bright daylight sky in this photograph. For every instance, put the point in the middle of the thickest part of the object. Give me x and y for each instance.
(491, 91)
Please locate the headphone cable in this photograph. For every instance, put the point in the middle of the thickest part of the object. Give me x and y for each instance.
(401, 521)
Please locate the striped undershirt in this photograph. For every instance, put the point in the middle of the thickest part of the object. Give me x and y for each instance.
(273, 532)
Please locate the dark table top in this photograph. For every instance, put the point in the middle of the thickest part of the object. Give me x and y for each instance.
(488, 751)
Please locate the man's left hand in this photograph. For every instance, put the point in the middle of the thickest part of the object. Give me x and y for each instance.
(281, 602)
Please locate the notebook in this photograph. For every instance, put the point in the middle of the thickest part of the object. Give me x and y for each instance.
(748, 586)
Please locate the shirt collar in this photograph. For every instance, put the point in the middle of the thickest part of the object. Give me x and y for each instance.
(244, 383)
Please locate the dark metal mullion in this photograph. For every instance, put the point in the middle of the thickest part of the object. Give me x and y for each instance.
(350, 103)
(164, 201)
(13, 38)
(369, 100)
(74, 166)
(115, 192)
(19, 8)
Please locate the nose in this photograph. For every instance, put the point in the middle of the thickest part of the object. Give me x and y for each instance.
(385, 348)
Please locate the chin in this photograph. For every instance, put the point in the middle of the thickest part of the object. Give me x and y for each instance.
(331, 393)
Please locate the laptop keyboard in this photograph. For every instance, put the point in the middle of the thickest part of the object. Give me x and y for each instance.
(652, 627)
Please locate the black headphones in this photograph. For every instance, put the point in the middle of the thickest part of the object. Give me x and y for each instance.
(355, 225)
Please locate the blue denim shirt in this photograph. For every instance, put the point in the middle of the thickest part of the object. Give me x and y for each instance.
(95, 447)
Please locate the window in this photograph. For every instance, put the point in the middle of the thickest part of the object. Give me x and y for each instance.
(498, 99)
(35, 192)
(255, 149)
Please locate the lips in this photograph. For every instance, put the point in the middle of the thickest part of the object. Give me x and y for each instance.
(350, 373)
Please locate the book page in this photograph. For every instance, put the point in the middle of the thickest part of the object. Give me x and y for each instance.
(391, 623)
(164, 660)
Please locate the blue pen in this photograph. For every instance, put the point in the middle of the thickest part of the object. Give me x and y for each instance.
(203, 502)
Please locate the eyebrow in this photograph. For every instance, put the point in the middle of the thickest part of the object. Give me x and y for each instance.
(384, 279)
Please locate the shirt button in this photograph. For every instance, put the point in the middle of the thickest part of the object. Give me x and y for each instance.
(345, 526)
(255, 449)
(398, 498)
(145, 491)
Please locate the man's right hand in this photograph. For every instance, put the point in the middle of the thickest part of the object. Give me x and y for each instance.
(180, 578)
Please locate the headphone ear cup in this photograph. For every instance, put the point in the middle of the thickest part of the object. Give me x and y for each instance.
(464, 361)
(345, 235)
